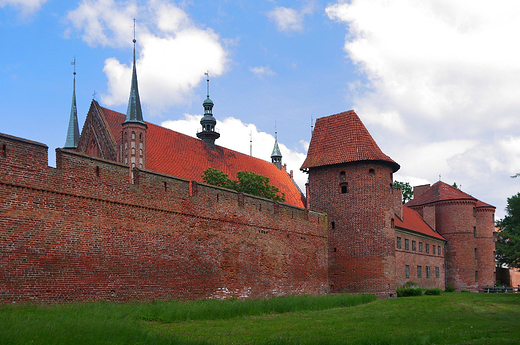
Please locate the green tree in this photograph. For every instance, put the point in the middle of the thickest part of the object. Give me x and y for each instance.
(247, 182)
(508, 241)
(407, 190)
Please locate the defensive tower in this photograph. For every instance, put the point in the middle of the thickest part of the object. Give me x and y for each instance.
(208, 132)
(350, 179)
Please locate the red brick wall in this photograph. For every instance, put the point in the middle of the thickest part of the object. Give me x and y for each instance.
(361, 243)
(485, 228)
(414, 258)
(83, 232)
(456, 220)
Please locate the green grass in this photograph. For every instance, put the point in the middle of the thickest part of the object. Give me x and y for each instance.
(451, 318)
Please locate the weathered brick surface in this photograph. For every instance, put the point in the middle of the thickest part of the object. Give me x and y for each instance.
(361, 240)
(485, 228)
(83, 232)
(419, 257)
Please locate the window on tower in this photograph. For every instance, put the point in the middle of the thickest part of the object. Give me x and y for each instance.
(343, 188)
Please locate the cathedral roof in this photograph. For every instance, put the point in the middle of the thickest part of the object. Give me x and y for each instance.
(439, 191)
(342, 138)
(177, 154)
(413, 221)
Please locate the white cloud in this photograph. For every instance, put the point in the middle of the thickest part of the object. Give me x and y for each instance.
(441, 85)
(172, 51)
(235, 135)
(289, 19)
(261, 71)
(26, 6)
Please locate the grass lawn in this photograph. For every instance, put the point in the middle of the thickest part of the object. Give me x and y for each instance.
(451, 318)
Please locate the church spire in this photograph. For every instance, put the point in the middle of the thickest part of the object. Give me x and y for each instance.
(276, 156)
(73, 130)
(134, 112)
(208, 122)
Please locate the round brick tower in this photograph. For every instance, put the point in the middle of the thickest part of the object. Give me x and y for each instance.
(485, 244)
(351, 180)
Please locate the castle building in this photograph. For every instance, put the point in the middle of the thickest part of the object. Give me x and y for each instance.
(125, 215)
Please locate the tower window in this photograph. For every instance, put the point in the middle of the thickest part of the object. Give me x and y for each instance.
(476, 276)
(133, 135)
(475, 231)
(4, 150)
(97, 171)
(341, 173)
(475, 253)
(344, 188)
(372, 172)
(332, 225)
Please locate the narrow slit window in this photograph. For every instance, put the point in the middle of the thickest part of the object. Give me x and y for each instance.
(4, 150)
(97, 171)
(333, 225)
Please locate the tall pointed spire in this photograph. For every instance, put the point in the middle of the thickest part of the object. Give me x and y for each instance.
(73, 130)
(134, 112)
(208, 122)
(276, 156)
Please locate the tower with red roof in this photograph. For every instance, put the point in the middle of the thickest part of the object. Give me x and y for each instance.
(350, 179)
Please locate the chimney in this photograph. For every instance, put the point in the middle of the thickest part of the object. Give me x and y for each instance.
(418, 190)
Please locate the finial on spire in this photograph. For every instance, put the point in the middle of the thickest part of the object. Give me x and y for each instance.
(207, 82)
(73, 130)
(276, 156)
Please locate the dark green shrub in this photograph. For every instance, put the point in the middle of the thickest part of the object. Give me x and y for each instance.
(464, 291)
(449, 288)
(435, 291)
(405, 292)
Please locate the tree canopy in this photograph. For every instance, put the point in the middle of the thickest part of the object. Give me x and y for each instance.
(407, 190)
(508, 242)
(247, 182)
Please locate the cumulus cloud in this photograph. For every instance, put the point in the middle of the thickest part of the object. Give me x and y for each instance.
(235, 135)
(172, 51)
(262, 71)
(289, 19)
(442, 75)
(25, 6)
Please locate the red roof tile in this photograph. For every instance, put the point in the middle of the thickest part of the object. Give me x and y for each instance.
(177, 154)
(439, 191)
(413, 221)
(483, 204)
(342, 138)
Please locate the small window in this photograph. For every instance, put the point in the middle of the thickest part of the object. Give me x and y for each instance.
(341, 173)
(344, 188)
(4, 150)
(371, 172)
(407, 271)
(419, 271)
(439, 248)
(392, 223)
(427, 248)
(133, 135)
(420, 247)
(97, 171)
(475, 231)
(414, 246)
(165, 186)
(428, 272)
(406, 244)
(398, 242)
(141, 136)
(475, 253)
(476, 276)
(334, 250)
(333, 225)
(437, 272)
(433, 247)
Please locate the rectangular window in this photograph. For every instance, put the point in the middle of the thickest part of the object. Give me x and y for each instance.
(475, 231)
(407, 272)
(419, 271)
(437, 272)
(414, 245)
(428, 272)
(439, 247)
(433, 247)
(398, 242)
(406, 244)
(475, 253)
(420, 247)
(476, 276)
(427, 248)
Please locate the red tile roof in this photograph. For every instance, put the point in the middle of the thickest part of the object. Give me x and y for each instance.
(439, 191)
(483, 204)
(342, 138)
(177, 154)
(413, 221)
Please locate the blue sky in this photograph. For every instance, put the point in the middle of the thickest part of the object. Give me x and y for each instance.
(436, 83)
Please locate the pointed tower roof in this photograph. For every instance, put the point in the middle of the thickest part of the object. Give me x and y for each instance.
(73, 130)
(439, 191)
(134, 112)
(342, 138)
(208, 122)
(276, 149)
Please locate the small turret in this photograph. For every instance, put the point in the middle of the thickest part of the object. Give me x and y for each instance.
(73, 130)
(208, 132)
(276, 156)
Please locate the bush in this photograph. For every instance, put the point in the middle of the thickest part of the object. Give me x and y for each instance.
(449, 288)
(464, 291)
(405, 292)
(432, 291)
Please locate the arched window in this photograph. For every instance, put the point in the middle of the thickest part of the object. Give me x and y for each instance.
(343, 187)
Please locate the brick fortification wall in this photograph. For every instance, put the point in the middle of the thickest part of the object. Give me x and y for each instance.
(83, 232)
(485, 245)
(358, 199)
